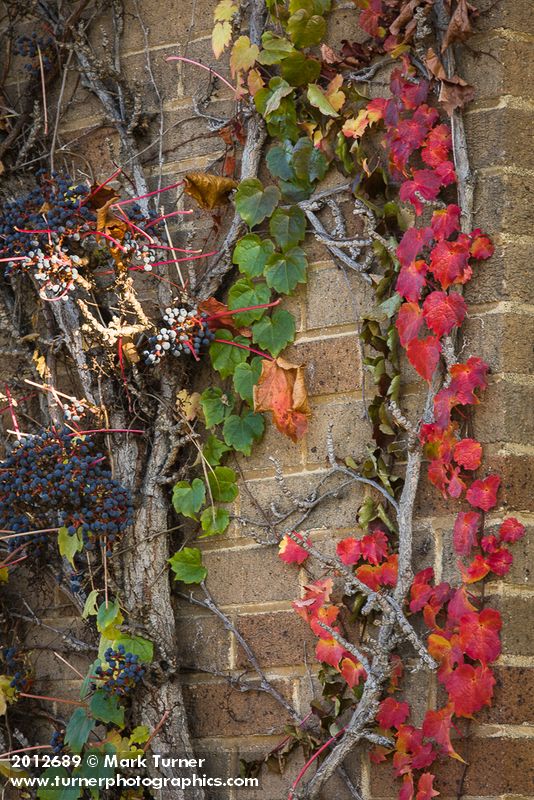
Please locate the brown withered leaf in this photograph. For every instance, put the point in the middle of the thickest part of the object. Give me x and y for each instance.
(109, 223)
(454, 92)
(459, 28)
(130, 350)
(281, 389)
(209, 191)
(102, 196)
(214, 307)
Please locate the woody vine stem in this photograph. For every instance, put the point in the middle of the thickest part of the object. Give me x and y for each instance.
(85, 485)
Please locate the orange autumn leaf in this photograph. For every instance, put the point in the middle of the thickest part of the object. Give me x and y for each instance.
(281, 389)
(209, 191)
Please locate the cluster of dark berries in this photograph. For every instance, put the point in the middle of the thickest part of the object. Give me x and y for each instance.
(29, 47)
(54, 204)
(123, 671)
(57, 742)
(15, 668)
(55, 478)
(186, 331)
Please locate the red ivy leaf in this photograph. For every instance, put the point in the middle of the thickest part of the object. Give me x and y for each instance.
(411, 244)
(437, 146)
(483, 493)
(511, 530)
(481, 245)
(406, 790)
(315, 596)
(470, 689)
(411, 280)
(391, 713)
(476, 571)
(374, 547)
(442, 312)
(425, 789)
(352, 671)
(465, 534)
(329, 651)
(500, 561)
(449, 262)
(468, 377)
(437, 726)
(290, 552)
(479, 635)
(424, 355)
(383, 575)
(445, 222)
(408, 322)
(456, 485)
(349, 550)
(420, 590)
(468, 453)
(425, 184)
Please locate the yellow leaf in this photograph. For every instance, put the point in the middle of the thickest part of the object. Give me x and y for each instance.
(335, 96)
(208, 190)
(225, 11)
(356, 126)
(220, 38)
(40, 364)
(254, 81)
(188, 404)
(244, 55)
(11, 772)
(4, 574)
(7, 693)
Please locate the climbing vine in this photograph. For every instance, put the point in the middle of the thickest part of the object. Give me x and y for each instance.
(76, 255)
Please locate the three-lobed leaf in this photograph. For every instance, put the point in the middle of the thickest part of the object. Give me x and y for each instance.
(216, 405)
(274, 333)
(251, 254)
(241, 432)
(288, 227)
(188, 498)
(284, 271)
(187, 565)
(224, 355)
(243, 294)
(223, 484)
(254, 202)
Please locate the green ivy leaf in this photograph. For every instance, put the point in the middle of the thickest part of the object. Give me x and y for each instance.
(78, 729)
(105, 707)
(214, 449)
(288, 227)
(214, 521)
(223, 484)
(137, 645)
(246, 377)
(69, 544)
(187, 565)
(187, 498)
(280, 161)
(90, 607)
(251, 254)
(298, 70)
(317, 98)
(275, 332)
(55, 791)
(285, 270)
(306, 30)
(278, 89)
(241, 432)
(253, 202)
(107, 615)
(226, 357)
(216, 405)
(244, 293)
(309, 163)
(282, 124)
(274, 49)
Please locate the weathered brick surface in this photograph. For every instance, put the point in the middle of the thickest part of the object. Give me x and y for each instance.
(498, 767)
(217, 709)
(499, 63)
(277, 639)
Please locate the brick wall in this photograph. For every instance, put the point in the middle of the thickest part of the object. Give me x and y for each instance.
(248, 581)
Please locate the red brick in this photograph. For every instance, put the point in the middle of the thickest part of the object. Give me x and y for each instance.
(513, 697)
(332, 364)
(277, 639)
(217, 709)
